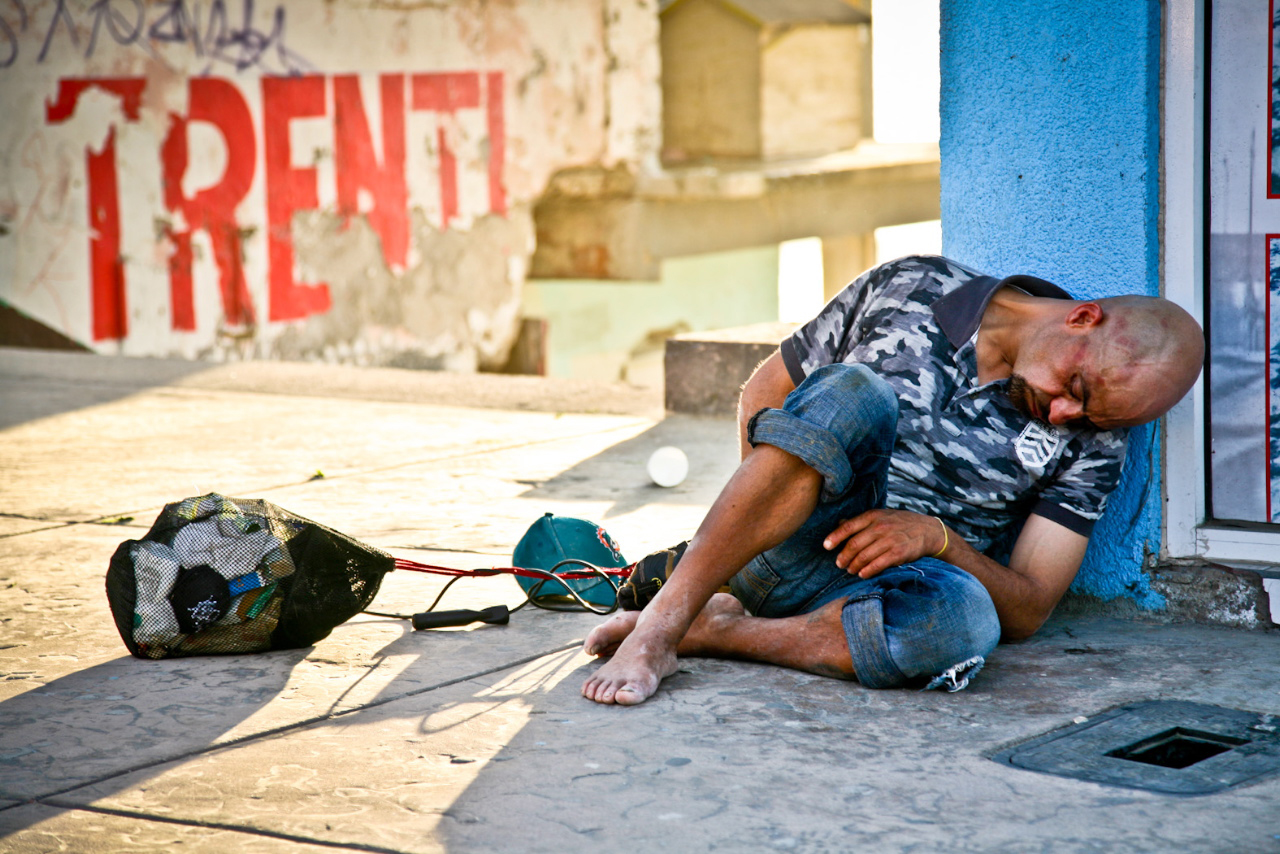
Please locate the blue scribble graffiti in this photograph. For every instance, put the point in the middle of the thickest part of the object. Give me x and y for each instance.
(9, 37)
(216, 36)
(122, 31)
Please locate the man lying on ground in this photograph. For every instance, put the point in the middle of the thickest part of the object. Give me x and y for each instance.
(922, 465)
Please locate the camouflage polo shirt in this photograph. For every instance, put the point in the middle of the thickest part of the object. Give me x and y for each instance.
(963, 452)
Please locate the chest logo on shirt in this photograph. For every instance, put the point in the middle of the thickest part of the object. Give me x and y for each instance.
(1037, 444)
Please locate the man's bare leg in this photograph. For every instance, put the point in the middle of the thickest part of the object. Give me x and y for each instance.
(814, 642)
(768, 498)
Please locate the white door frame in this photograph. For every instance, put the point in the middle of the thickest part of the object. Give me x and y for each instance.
(1182, 257)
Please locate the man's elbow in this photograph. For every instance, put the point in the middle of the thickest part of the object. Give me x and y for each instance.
(1014, 632)
(1024, 623)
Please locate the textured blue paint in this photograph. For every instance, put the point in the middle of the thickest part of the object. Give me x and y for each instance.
(1050, 166)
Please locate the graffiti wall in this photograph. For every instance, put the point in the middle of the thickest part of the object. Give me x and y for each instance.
(349, 180)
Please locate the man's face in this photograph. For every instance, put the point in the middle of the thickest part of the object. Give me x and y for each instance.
(1074, 385)
(1060, 410)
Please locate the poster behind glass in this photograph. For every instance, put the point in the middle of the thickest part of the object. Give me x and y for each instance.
(1243, 265)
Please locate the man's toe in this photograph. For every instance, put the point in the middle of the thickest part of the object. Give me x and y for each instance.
(629, 696)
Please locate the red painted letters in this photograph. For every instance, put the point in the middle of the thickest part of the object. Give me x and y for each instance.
(357, 165)
(213, 208)
(289, 189)
(106, 267)
(368, 182)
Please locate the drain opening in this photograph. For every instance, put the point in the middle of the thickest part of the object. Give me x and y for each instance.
(1241, 746)
(1178, 747)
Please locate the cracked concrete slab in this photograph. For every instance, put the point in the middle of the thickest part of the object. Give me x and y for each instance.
(69, 381)
(71, 697)
(244, 443)
(729, 755)
(418, 478)
(485, 502)
(11, 525)
(48, 829)
(381, 738)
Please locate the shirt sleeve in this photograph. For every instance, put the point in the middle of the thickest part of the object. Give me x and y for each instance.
(1078, 495)
(826, 338)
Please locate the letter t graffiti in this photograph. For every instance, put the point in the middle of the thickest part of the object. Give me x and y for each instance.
(289, 189)
(109, 315)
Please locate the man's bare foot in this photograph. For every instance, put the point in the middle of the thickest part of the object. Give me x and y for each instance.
(606, 637)
(633, 678)
(641, 662)
(715, 616)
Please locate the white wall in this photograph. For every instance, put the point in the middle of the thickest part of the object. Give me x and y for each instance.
(904, 70)
(356, 182)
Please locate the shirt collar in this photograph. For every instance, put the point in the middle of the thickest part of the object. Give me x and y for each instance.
(959, 313)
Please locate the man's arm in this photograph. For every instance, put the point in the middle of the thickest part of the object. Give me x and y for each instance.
(1044, 561)
(767, 389)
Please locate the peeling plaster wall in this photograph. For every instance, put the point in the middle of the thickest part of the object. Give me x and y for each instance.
(350, 180)
(1050, 161)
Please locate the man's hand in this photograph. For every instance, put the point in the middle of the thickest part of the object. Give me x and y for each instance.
(879, 539)
(1045, 559)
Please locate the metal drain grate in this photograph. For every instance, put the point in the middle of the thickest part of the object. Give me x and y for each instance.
(1162, 746)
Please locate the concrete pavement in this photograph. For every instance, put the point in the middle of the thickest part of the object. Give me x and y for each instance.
(379, 738)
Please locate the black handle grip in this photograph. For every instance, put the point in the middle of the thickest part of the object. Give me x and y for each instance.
(498, 615)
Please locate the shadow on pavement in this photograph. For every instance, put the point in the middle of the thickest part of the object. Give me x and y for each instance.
(112, 720)
(36, 384)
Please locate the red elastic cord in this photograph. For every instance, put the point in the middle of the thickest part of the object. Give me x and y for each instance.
(414, 566)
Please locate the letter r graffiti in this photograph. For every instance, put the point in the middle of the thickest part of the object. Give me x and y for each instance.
(212, 208)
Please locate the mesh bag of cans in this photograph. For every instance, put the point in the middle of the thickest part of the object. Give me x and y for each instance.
(231, 575)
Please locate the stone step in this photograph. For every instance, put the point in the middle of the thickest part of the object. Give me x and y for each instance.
(705, 371)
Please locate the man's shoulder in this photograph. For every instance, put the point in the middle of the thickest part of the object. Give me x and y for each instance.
(887, 308)
(901, 293)
(925, 272)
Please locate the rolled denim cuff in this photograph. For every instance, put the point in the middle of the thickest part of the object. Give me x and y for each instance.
(817, 448)
(863, 621)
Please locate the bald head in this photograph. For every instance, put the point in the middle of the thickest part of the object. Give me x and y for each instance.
(1152, 346)
(1101, 364)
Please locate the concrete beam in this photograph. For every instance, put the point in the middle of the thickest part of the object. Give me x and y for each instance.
(607, 224)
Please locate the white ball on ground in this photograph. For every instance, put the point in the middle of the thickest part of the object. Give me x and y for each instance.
(668, 466)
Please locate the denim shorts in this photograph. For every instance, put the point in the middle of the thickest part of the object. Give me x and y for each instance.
(925, 621)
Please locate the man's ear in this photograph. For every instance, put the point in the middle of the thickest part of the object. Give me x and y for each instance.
(1084, 316)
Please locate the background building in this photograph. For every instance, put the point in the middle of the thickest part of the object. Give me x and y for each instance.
(560, 186)
(375, 184)
(1085, 154)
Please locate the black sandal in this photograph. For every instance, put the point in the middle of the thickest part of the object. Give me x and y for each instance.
(650, 573)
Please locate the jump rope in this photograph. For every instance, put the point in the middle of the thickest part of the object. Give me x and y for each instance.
(562, 597)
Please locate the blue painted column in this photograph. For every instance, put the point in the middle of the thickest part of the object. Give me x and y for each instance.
(1050, 166)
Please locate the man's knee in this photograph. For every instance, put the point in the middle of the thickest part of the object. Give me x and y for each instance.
(918, 622)
(841, 421)
(850, 401)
